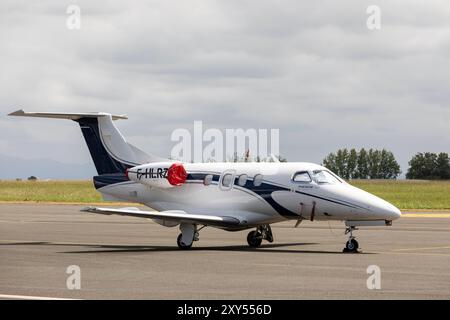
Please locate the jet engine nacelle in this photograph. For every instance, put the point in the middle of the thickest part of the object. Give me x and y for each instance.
(160, 174)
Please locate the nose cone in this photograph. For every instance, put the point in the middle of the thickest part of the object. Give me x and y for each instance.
(372, 207)
(397, 213)
(388, 211)
(381, 208)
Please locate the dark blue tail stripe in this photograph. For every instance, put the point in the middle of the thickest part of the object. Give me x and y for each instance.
(104, 163)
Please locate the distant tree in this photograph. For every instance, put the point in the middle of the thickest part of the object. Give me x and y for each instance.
(388, 168)
(383, 167)
(394, 167)
(341, 163)
(362, 171)
(374, 159)
(442, 166)
(421, 166)
(32, 178)
(429, 165)
(352, 164)
(330, 162)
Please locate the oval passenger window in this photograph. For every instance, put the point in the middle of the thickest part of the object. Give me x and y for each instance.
(208, 179)
(242, 180)
(227, 180)
(257, 180)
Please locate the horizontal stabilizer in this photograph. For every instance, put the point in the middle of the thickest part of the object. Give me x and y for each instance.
(110, 151)
(65, 115)
(173, 215)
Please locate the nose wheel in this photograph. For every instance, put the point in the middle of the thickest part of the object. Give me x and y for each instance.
(352, 245)
(255, 238)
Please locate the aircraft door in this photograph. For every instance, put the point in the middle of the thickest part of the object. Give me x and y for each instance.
(303, 183)
(226, 180)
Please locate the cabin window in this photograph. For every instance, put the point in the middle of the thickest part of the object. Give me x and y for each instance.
(257, 180)
(302, 177)
(242, 180)
(208, 179)
(227, 180)
(325, 177)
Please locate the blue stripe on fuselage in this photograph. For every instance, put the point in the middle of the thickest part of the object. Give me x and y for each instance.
(109, 179)
(265, 191)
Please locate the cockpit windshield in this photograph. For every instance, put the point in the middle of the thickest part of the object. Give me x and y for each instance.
(325, 177)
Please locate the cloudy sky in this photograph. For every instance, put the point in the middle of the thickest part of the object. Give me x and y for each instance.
(310, 68)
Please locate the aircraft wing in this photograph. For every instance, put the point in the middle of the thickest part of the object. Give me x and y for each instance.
(173, 215)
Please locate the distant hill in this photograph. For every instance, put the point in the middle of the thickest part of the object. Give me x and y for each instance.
(12, 168)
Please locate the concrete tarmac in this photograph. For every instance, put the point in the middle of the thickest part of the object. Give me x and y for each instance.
(132, 258)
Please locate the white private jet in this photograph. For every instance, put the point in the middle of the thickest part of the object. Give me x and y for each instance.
(229, 196)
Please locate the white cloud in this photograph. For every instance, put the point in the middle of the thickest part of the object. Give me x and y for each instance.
(311, 69)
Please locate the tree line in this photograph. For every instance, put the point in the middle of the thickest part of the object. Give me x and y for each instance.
(381, 164)
(363, 164)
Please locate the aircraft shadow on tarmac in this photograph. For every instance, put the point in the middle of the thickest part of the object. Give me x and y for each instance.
(268, 248)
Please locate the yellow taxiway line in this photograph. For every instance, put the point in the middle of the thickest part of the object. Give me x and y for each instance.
(426, 215)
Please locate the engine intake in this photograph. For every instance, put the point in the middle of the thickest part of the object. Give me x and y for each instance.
(160, 174)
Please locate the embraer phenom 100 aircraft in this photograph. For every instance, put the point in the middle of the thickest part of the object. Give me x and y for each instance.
(229, 196)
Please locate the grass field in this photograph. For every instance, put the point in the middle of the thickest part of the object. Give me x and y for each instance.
(81, 191)
(404, 194)
(410, 194)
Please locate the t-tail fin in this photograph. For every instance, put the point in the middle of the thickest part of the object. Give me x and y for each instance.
(111, 153)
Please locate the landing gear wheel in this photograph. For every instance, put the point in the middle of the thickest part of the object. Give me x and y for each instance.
(254, 239)
(181, 245)
(351, 246)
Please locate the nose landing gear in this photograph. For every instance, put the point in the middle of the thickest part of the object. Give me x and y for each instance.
(255, 238)
(352, 245)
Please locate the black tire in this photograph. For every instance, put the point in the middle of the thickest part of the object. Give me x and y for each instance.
(182, 245)
(254, 239)
(352, 246)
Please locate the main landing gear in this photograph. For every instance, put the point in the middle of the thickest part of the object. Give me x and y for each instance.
(352, 245)
(255, 238)
(189, 234)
